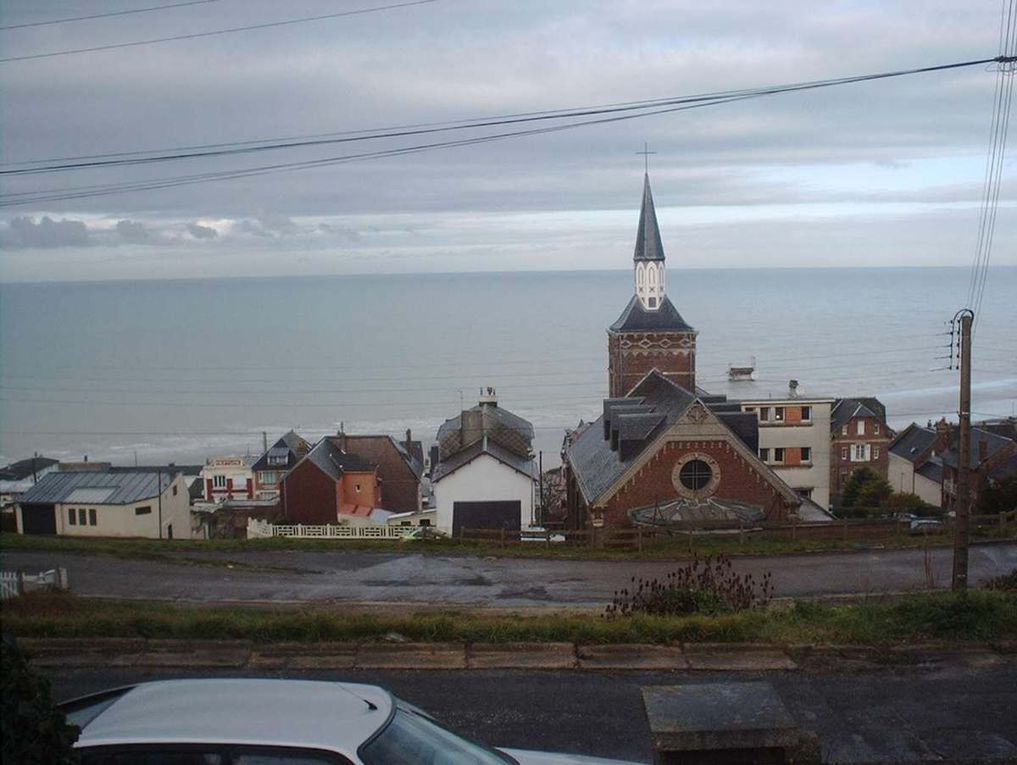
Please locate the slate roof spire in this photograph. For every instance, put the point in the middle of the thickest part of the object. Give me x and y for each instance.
(648, 244)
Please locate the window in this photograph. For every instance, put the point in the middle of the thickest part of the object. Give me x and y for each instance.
(72, 517)
(268, 478)
(81, 516)
(804, 492)
(764, 414)
(861, 427)
(764, 455)
(806, 454)
(778, 454)
(843, 452)
(875, 452)
(91, 516)
(778, 414)
(145, 510)
(860, 453)
(875, 428)
(219, 481)
(411, 738)
(806, 413)
(653, 302)
(843, 430)
(174, 491)
(357, 487)
(695, 474)
(150, 755)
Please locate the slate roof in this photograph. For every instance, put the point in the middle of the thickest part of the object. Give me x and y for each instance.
(18, 471)
(846, 409)
(294, 446)
(933, 470)
(484, 446)
(333, 462)
(120, 488)
(993, 444)
(635, 318)
(596, 466)
(913, 442)
(648, 244)
(492, 414)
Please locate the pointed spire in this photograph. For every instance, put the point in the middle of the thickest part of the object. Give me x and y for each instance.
(648, 244)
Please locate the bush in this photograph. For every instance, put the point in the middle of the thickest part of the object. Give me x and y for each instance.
(1005, 582)
(911, 503)
(34, 731)
(702, 586)
(866, 488)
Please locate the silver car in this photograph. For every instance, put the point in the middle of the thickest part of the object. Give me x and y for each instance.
(273, 722)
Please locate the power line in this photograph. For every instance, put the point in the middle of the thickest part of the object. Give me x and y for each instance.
(213, 33)
(106, 15)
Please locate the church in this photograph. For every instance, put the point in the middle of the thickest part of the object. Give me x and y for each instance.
(663, 450)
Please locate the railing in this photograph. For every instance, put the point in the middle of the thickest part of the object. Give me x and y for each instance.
(15, 583)
(263, 529)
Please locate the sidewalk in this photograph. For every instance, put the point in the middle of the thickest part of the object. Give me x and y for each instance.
(713, 657)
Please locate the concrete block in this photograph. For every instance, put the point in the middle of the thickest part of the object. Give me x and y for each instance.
(305, 656)
(521, 656)
(737, 657)
(49, 646)
(411, 656)
(663, 657)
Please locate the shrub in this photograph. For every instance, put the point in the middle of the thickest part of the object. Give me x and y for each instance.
(34, 731)
(1005, 582)
(702, 586)
(910, 503)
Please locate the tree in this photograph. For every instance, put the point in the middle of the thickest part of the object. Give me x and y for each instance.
(910, 503)
(865, 488)
(34, 731)
(999, 497)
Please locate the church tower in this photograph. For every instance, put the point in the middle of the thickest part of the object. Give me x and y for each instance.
(650, 333)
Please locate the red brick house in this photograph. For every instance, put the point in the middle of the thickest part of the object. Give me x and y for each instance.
(400, 467)
(661, 454)
(992, 458)
(859, 437)
(328, 483)
(277, 460)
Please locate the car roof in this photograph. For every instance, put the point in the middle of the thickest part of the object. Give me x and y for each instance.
(332, 716)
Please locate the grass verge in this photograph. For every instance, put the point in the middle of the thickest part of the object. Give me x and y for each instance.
(980, 616)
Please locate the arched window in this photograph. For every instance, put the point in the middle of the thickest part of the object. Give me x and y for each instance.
(652, 277)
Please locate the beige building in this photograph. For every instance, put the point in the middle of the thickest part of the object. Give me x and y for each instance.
(107, 504)
(794, 440)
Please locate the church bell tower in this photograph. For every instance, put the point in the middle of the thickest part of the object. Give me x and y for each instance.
(650, 333)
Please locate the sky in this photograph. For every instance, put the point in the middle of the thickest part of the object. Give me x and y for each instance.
(886, 173)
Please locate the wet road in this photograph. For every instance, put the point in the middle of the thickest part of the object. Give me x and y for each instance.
(414, 579)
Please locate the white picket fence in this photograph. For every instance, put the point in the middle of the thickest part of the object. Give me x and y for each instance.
(258, 529)
(14, 583)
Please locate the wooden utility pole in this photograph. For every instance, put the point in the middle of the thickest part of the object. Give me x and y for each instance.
(962, 507)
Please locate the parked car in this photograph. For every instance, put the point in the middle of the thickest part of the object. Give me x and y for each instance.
(274, 722)
(926, 526)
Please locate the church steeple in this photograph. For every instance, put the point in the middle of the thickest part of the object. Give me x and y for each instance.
(649, 254)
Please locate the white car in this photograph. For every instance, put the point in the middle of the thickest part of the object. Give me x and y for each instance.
(274, 722)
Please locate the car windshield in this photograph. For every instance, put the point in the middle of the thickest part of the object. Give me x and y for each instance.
(412, 739)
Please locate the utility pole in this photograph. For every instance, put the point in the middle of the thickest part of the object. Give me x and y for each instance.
(159, 489)
(962, 507)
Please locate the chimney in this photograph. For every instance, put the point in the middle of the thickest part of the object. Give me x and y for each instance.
(792, 388)
(471, 426)
(944, 432)
(409, 439)
(488, 397)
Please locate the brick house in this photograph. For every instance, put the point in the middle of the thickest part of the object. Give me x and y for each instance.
(650, 334)
(279, 458)
(662, 453)
(859, 437)
(327, 484)
(400, 467)
(992, 458)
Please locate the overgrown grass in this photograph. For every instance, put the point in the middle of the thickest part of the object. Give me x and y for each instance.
(981, 615)
(664, 549)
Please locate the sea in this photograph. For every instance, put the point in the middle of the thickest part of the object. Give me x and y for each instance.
(143, 372)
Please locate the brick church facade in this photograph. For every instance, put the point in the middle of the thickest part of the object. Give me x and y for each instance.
(663, 451)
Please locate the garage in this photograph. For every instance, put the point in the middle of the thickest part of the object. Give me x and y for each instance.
(38, 519)
(504, 514)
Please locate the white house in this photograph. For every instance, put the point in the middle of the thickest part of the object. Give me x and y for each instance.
(485, 476)
(227, 478)
(107, 504)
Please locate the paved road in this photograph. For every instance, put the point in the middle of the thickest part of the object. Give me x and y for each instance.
(935, 713)
(392, 578)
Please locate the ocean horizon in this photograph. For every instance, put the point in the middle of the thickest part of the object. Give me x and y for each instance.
(185, 369)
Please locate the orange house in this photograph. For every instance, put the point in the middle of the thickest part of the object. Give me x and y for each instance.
(328, 483)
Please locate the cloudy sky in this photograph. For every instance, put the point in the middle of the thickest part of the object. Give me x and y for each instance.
(885, 173)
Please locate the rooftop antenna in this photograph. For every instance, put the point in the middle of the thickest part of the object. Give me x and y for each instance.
(646, 157)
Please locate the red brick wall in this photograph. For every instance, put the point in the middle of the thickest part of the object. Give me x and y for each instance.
(369, 494)
(402, 488)
(309, 496)
(625, 370)
(841, 468)
(739, 481)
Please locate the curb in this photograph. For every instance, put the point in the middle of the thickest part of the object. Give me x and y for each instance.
(707, 657)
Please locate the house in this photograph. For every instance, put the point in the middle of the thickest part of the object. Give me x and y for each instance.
(400, 467)
(329, 486)
(992, 457)
(650, 334)
(103, 503)
(226, 479)
(485, 476)
(279, 458)
(914, 464)
(794, 440)
(859, 436)
(17, 477)
(661, 455)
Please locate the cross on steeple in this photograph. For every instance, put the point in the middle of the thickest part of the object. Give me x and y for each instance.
(646, 157)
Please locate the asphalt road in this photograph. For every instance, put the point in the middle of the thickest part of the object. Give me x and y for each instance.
(918, 714)
(393, 578)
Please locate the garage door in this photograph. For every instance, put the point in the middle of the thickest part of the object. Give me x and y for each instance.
(486, 515)
(38, 519)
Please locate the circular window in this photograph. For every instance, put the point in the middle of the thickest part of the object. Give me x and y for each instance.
(695, 475)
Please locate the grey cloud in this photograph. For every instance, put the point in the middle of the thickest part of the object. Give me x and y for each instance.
(201, 232)
(23, 232)
(133, 231)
